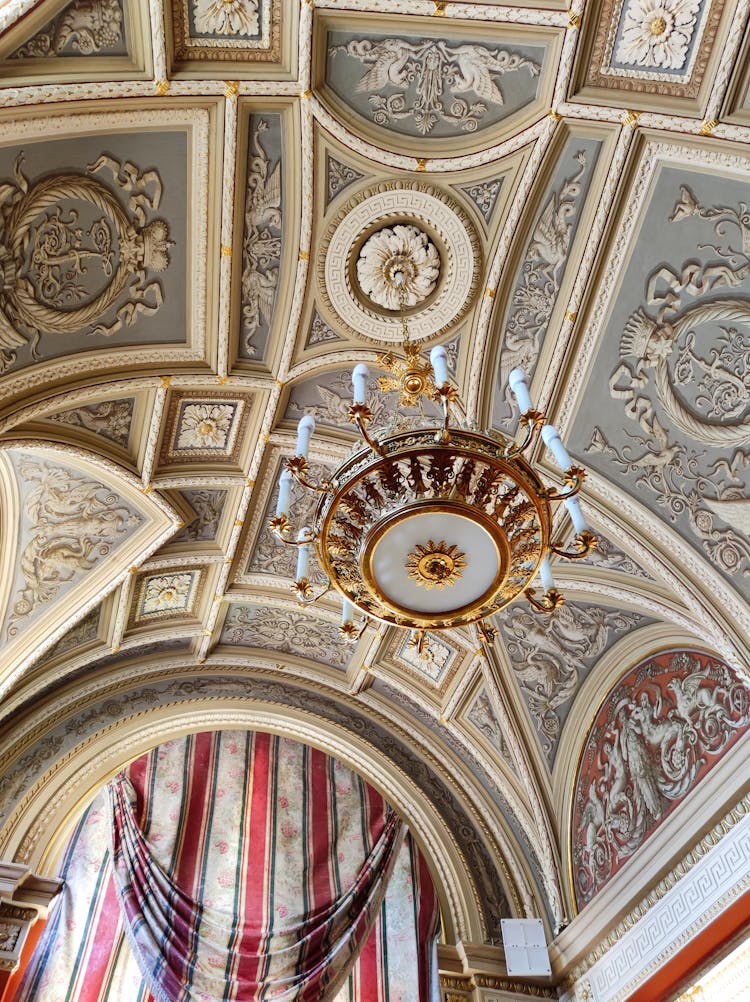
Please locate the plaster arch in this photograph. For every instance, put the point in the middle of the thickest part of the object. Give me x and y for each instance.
(39, 826)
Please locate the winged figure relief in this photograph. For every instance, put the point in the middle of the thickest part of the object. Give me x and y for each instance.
(436, 73)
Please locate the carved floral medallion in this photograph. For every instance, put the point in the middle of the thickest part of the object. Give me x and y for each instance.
(399, 262)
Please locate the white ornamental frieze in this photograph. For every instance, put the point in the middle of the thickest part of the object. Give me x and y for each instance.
(73, 258)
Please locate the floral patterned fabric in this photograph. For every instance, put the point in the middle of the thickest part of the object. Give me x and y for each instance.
(248, 866)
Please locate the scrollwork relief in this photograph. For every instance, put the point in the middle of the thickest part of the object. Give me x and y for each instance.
(285, 631)
(86, 26)
(208, 506)
(540, 277)
(551, 655)
(338, 177)
(261, 246)
(429, 76)
(684, 379)
(109, 418)
(73, 259)
(73, 523)
(226, 17)
(658, 733)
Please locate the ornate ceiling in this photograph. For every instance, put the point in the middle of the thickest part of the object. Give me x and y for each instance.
(192, 195)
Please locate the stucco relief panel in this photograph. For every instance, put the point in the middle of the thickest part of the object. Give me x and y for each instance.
(95, 256)
(225, 29)
(82, 28)
(667, 414)
(69, 524)
(540, 273)
(285, 631)
(432, 87)
(551, 655)
(657, 734)
(263, 234)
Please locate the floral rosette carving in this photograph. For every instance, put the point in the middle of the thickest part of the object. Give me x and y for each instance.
(398, 261)
(658, 32)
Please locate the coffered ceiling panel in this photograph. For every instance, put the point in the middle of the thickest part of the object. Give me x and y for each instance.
(197, 201)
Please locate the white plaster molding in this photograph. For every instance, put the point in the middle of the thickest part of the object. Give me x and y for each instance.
(227, 231)
(671, 922)
(158, 40)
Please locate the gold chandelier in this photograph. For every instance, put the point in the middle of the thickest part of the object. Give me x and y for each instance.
(431, 528)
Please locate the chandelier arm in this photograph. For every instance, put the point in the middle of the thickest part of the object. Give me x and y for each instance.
(298, 467)
(360, 415)
(348, 631)
(584, 543)
(279, 525)
(549, 601)
(574, 478)
(303, 589)
(531, 420)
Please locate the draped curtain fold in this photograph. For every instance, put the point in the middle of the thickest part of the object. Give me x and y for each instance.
(247, 866)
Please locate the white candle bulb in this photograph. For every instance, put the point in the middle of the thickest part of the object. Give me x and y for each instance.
(555, 446)
(285, 490)
(347, 612)
(520, 390)
(305, 428)
(303, 553)
(545, 573)
(576, 515)
(439, 360)
(359, 382)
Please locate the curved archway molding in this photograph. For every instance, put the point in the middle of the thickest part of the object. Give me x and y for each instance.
(37, 828)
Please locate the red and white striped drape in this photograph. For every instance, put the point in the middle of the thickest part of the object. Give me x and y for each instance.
(249, 867)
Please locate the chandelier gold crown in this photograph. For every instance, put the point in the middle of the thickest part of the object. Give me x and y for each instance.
(435, 527)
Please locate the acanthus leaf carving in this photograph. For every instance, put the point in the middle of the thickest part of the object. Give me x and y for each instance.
(552, 654)
(89, 26)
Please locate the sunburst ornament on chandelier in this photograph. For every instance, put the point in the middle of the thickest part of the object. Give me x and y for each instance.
(431, 528)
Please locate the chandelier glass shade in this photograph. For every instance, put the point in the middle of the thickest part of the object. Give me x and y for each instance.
(432, 528)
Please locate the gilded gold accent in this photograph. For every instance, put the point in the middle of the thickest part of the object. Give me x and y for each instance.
(304, 255)
(440, 6)
(555, 115)
(226, 251)
(162, 87)
(658, 26)
(421, 163)
(708, 126)
(575, 21)
(631, 118)
(232, 88)
(435, 565)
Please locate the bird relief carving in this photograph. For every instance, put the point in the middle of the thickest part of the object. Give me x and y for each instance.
(261, 247)
(540, 276)
(429, 77)
(657, 734)
(684, 379)
(552, 654)
(73, 259)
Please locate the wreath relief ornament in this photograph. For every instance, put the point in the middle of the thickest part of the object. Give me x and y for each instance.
(69, 251)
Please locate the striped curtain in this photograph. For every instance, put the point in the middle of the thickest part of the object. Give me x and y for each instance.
(248, 867)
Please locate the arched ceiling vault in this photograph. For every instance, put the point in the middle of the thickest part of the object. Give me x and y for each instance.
(185, 192)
